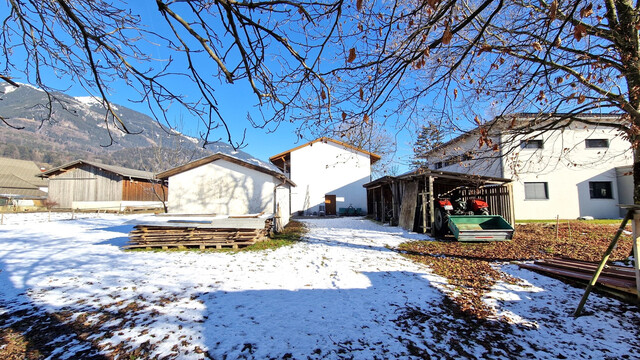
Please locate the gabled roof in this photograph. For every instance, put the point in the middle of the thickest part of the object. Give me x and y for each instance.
(119, 170)
(13, 186)
(372, 156)
(221, 156)
(24, 169)
(226, 149)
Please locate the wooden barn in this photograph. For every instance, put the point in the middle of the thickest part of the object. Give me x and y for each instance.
(83, 184)
(408, 200)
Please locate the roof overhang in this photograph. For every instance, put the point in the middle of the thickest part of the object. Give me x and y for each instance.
(459, 178)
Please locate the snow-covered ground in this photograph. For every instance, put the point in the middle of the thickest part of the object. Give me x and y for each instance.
(341, 293)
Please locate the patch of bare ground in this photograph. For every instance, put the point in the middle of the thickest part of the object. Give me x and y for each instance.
(468, 266)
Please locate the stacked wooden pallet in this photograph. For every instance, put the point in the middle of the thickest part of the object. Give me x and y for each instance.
(226, 234)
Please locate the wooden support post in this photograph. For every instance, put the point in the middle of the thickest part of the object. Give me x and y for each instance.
(636, 246)
(393, 203)
(424, 197)
(512, 210)
(382, 204)
(432, 209)
(605, 257)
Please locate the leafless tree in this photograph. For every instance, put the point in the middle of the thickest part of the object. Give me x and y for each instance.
(98, 44)
(339, 64)
(461, 60)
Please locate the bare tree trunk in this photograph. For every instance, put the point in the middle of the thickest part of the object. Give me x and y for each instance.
(636, 175)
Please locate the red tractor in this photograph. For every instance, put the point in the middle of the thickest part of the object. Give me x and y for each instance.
(456, 206)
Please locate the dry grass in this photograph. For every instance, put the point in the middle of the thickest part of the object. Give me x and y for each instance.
(467, 266)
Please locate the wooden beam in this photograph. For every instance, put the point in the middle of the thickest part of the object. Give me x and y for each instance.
(605, 257)
(432, 210)
(636, 248)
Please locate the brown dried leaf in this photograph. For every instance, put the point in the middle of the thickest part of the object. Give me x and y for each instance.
(433, 3)
(361, 94)
(446, 37)
(587, 10)
(536, 45)
(581, 98)
(455, 94)
(579, 32)
(344, 116)
(553, 10)
(477, 120)
(359, 5)
(366, 119)
(352, 55)
(323, 95)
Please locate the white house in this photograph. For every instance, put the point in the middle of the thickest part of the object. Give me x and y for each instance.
(328, 174)
(578, 167)
(224, 184)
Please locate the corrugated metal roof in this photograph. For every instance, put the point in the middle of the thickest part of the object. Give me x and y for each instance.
(24, 169)
(122, 171)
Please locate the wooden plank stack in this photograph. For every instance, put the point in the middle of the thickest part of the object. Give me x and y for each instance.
(616, 279)
(195, 235)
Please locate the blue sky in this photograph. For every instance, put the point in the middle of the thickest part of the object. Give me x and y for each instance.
(236, 103)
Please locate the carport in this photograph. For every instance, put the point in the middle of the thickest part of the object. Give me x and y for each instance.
(408, 200)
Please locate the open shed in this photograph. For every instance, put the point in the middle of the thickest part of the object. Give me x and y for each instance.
(408, 200)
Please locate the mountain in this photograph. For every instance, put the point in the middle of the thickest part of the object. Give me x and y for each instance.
(77, 130)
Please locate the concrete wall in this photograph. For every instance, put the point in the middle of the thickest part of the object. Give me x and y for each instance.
(328, 169)
(567, 166)
(223, 188)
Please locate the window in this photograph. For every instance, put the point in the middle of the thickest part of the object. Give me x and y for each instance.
(531, 144)
(597, 143)
(536, 191)
(600, 190)
(438, 165)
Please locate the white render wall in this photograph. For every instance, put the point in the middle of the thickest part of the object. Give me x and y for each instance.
(323, 169)
(564, 163)
(567, 165)
(222, 188)
(486, 161)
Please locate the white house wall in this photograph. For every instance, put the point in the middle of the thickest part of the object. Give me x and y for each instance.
(567, 166)
(282, 198)
(486, 160)
(564, 163)
(223, 188)
(323, 169)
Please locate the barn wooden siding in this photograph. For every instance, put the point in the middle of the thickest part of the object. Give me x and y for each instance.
(135, 190)
(84, 183)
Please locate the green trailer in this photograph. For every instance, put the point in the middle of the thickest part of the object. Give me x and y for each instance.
(480, 228)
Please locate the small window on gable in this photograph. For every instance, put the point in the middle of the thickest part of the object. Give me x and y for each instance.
(438, 165)
(531, 144)
(536, 191)
(597, 143)
(600, 190)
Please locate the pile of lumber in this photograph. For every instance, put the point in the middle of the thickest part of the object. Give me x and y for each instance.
(618, 280)
(189, 234)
